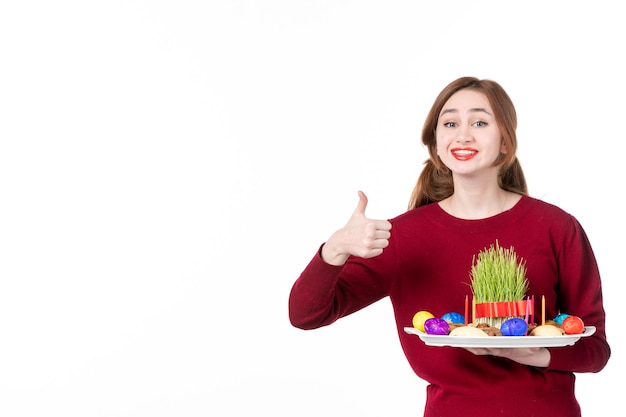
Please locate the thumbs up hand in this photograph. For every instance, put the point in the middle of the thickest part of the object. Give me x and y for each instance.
(361, 236)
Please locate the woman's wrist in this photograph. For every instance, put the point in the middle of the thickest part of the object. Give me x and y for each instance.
(331, 255)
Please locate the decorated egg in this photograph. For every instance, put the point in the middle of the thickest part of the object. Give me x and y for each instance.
(420, 317)
(573, 325)
(436, 325)
(559, 319)
(453, 318)
(514, 327)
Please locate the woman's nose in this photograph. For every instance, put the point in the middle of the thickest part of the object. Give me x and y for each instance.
(463, 133)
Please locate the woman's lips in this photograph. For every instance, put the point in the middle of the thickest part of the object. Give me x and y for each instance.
(464, 154)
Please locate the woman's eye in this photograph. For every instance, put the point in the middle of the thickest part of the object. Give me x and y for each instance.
(480, 123)
(449, 124)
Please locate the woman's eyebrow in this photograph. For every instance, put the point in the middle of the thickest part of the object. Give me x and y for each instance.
(473, 110)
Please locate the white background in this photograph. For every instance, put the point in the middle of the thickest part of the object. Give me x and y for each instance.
(168, 168)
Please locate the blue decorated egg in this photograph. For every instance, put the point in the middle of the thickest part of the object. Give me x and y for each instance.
(514, 327)
(454, 318)
(559, 319)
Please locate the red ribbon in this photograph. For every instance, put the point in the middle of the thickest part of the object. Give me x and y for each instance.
(503, 308)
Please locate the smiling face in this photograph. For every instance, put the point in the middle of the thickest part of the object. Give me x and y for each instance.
(468, 137)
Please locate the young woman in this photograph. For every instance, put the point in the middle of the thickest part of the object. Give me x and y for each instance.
(470, 194)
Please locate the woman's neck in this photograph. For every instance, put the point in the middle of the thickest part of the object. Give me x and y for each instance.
(479, 204)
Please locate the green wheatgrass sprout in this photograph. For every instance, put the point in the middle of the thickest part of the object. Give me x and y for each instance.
(496, 275)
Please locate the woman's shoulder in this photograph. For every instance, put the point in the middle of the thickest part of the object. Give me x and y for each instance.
(542, 205)
(417, 214)
(544, 210)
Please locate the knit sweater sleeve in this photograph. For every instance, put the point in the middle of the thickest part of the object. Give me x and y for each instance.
(324, 293)
(580, 293)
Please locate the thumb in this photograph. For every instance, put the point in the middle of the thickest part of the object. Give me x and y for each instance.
(360, 208)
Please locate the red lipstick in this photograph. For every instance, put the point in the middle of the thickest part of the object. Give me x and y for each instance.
(463, 154)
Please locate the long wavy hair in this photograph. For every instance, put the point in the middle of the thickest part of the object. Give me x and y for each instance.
(435, 181)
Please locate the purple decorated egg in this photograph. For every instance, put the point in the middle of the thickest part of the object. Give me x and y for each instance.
(436, 325)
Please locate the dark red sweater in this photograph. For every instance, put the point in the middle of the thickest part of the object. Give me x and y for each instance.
(426, 267)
